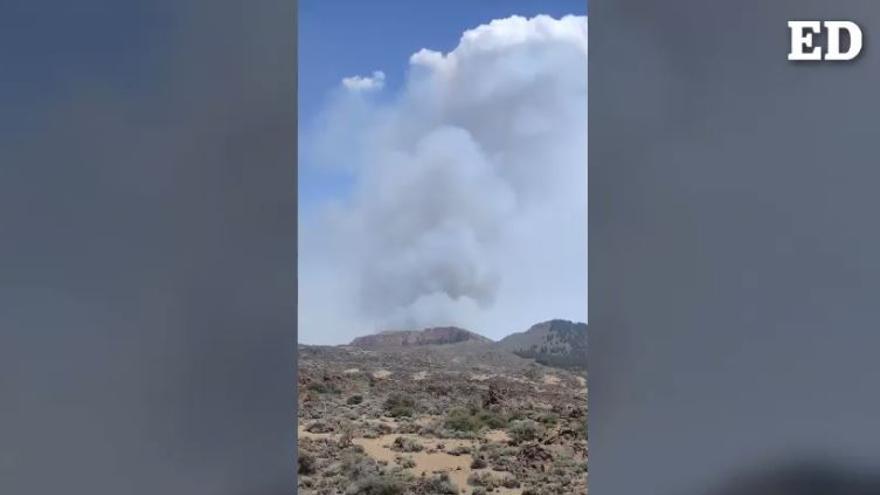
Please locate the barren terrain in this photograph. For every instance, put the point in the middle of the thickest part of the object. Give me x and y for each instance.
(451, 418)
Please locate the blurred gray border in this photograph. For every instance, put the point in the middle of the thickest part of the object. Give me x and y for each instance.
(148, 247)
(734, 254)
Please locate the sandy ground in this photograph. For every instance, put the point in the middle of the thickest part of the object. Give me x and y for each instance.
(457, 466)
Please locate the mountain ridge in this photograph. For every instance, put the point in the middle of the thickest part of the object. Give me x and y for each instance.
(557, 343)
(425, 337)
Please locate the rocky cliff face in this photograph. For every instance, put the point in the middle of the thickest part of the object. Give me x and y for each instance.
(428, 336)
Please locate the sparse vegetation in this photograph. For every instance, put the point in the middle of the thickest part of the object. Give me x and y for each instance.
(510, 483)
(406, 444)
(462, 420)
(558, 343)
(319, 427)
(306, 464)
(491, 419)
(484, 479)
(548, 419)
(346, 435)
(377, 485)
(525, 431)
(446, 424)
(438, 485)
(470, 420)
(322, 388)
(398, 405)
(460, 450)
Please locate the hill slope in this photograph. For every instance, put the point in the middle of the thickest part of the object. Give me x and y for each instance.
(431, 412)
(558, 343)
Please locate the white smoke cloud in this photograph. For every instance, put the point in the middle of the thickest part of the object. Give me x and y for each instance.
(365, 83)
(468, 198)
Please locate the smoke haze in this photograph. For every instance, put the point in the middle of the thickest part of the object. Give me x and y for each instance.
(467, 197)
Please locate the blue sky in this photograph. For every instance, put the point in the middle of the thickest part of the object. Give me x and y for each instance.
(339, 38)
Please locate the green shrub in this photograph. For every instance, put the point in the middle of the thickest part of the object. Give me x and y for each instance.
(408, 427)
(399, 405)
(440, 485)
(461, 420)
(465, 420)
(459, 450)
(319, 426)
(322, 388)
(510, 483)
(356, 467)
(306, 464)
(492, 419)
(483, 479)
(377, 485)
(400, 412)
(549, 419)
(525, 430)
(405, 444)
(581, 430)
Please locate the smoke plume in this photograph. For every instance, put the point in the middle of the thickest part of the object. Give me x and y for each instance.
(467, 189)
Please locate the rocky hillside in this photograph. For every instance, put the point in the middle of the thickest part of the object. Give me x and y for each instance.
(409, 338)
(558, 343)
(464, 418)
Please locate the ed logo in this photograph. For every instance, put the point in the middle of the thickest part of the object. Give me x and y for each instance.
(804, 46)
